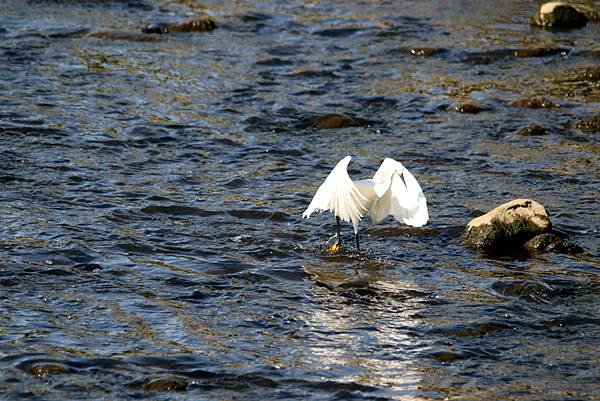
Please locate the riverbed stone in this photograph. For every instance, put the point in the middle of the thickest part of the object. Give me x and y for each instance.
(591, 13)
(47, 369)
(67, 33)
(535, 103)
(590, 125)
(330, 121)
(199, 24)
(550, 242)
(582, 74)
(507, 227)
(123, 35)
(558, 14)
(539, 51)
(580, 82)
(469, 108)
(170, 383)
(532, 130)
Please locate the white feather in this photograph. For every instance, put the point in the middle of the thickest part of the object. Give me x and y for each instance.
(393, 190)
(339, 194)
(403, 198)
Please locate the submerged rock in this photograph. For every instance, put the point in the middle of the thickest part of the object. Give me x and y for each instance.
(507, 227)
(539, 52)
(330, 121)
(165, 384)
(67, 33)
(493, 55)
(558, 14)
(532, 130)
(200, 24)
(47, 369)
(589, 74)
(418, 51)
(549, 242)
(535, 103)
(469, 108)
(123, 35)
(580, 81)
(590, 125)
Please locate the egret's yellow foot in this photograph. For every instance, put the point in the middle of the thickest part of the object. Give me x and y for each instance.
(333, 245)
(335, 248)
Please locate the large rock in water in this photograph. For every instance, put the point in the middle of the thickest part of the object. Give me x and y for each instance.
(507, 227)
(564, 15)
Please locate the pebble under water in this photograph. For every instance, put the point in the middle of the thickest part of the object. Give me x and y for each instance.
(152, 187)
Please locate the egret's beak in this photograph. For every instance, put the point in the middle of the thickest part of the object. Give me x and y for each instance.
(401, 175)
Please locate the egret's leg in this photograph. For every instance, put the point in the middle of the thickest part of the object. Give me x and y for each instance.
(357, 247)
(335, 246)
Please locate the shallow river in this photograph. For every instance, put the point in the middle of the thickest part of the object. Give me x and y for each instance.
(152, 187)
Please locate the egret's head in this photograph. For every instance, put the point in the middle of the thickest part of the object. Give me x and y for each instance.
(386, 173)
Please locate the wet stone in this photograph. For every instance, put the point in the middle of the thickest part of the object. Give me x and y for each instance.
(539, 52)
(535, 103)
(418, 51)
(165, 384)
(444, 356)
(549, 242)
(123, 35)
(582, 74)
(330, 121)
(200, 24)
(423, 51)
(47, 368)
(67, 33)
(590, 125)
(506, 228)
(561, 15)
(532, 130)
(469, 108)
(490, 56)
(564, 247)
(9, 282)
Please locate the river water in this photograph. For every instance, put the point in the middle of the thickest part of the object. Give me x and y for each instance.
(152, 187)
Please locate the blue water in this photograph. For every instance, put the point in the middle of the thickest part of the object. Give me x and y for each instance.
(151, 193)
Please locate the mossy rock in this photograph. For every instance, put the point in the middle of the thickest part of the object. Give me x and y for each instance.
(590, 125)
(532, 130)
(506, 228)
(549, 242)
(559, 15)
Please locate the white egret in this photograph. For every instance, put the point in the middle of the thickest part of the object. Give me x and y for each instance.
(393, 190)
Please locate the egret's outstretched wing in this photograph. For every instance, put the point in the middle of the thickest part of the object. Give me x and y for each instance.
(401, 195)
(339, 194)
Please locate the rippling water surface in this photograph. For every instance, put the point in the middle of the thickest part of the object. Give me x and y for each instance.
(152, 186)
